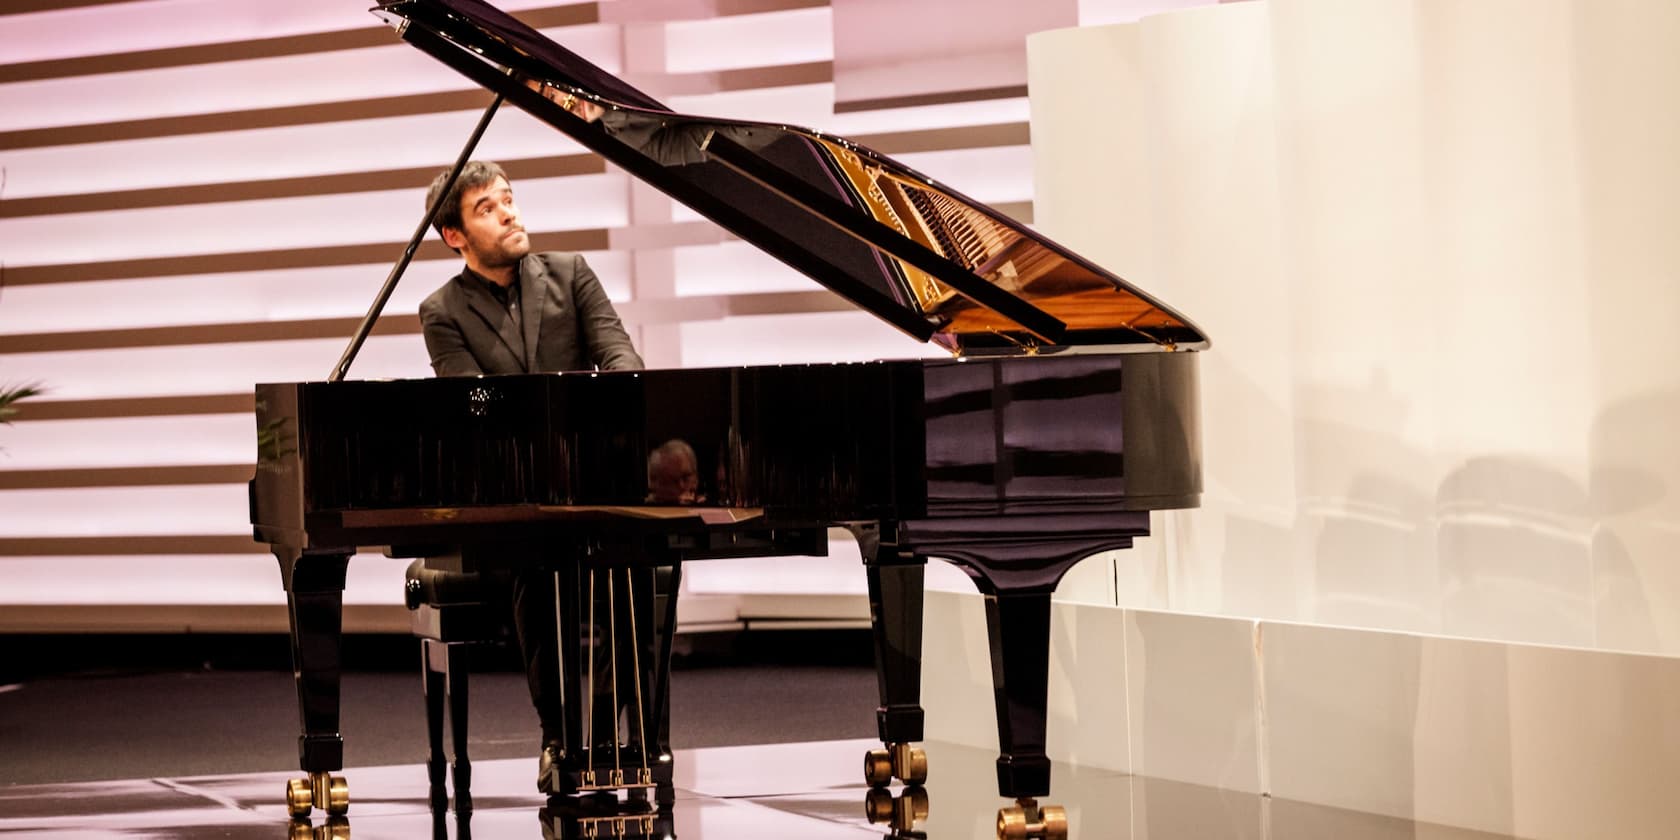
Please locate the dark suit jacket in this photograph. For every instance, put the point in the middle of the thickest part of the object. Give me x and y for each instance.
(569, 323)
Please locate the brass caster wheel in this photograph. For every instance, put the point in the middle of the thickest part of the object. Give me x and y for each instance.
(878, 806)
(910, 764)
(299, 802)
(330, 793)
(877, 768)
(1027, 819)
(1054, 819)
(901, 813)
(1011, 823)
(916, 803)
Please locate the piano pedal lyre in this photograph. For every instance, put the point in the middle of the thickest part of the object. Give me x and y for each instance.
(1026, 818)
(320, 790)
(904, 762)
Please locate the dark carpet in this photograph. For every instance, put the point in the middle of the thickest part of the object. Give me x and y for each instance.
(81, 708)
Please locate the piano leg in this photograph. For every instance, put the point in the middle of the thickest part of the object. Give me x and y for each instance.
(315, 599)
(895, 618)
(664, 581)
(1018, 626)
(434, 664)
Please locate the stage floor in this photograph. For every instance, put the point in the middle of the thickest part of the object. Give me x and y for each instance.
(811, 791)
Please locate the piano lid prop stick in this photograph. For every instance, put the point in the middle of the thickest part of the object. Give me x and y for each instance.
(379, 301)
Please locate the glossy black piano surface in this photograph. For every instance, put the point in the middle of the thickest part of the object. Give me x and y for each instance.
(891, 440)
(1067, 411)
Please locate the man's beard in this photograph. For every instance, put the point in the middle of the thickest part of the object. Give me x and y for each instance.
(502, 254)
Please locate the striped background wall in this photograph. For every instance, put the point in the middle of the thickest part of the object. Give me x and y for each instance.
(198, 195)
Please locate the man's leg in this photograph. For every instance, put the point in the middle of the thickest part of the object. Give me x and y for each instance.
(534, 596)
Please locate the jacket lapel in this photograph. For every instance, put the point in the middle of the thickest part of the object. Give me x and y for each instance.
(487, 307)
(533, 296)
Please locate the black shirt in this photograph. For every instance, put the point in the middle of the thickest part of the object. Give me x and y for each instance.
(508, 297)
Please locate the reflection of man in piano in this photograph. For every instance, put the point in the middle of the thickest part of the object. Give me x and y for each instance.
(513, 311)
(674, 474)
(670, 141)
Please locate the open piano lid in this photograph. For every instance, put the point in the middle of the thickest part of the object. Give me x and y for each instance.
(934, 263)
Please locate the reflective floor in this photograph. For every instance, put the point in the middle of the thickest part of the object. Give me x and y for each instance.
(807, 790)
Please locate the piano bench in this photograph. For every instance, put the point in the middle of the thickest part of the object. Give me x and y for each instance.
(448, 609)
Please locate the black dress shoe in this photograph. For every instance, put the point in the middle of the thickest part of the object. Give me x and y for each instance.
(549, 770)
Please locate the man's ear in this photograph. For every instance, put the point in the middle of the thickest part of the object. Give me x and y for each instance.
(454, 238)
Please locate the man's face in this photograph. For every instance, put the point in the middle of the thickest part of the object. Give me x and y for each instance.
(491, 235)
(673, 479)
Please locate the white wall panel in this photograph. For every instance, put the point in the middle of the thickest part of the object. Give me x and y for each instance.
(796, 339)
(231, 297)
(992, 175)
(580, 202)
(285, 152)
(247, 296)
(195, 579)
(211, 369)
(983, 112)
(157, 24)
(1401, 243)
(182, 440)
(125, 511)
(762, 40)
(394, 70)
(811, 106)
(232, 86)
(1100, 12)
(1431, 242)
(733, 267)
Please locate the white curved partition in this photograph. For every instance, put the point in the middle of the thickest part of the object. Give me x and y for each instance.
(1433, 576)
(1431, 243)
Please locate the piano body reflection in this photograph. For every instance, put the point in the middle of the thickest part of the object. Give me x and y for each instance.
(1066, 412)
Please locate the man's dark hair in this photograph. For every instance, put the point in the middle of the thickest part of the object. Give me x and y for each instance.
(476, 173)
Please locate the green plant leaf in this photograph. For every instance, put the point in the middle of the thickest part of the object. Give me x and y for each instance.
(10, 395)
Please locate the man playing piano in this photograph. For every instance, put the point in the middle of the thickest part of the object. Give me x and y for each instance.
(513, 311)
(509, 310)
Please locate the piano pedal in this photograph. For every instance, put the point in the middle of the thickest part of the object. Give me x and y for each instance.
(1028, 819)
(899, 813)
(320, 790)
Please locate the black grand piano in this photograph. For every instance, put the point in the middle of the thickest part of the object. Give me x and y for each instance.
(1066, 411)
